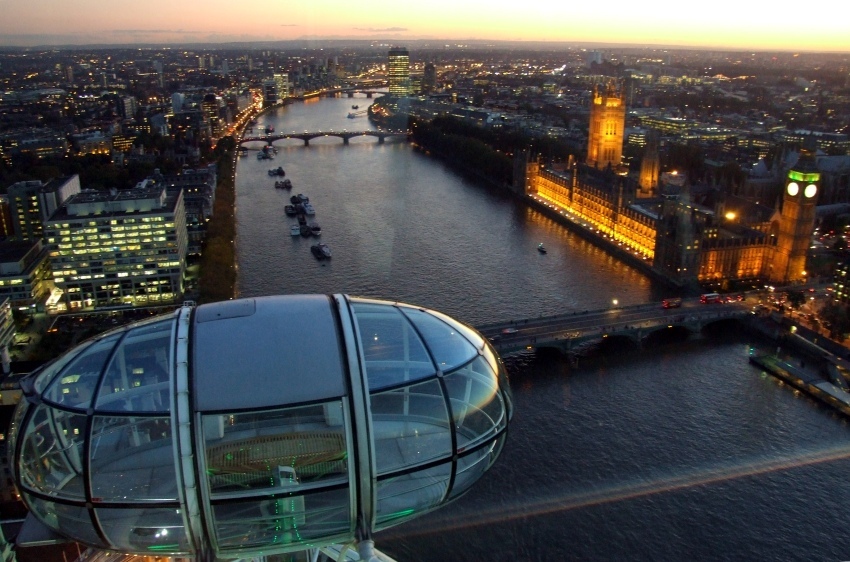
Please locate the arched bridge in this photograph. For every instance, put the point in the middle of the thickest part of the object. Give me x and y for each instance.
(308, 136)
(569, 332)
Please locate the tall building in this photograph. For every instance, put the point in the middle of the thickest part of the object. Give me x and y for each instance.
(25, 278)
(429, 78)
(281, 82)
(649, 166)
(607, 126)
(797, 220)
(118, 248)
(276, 88)
(210, 109)
(31, 203)
(398, 72)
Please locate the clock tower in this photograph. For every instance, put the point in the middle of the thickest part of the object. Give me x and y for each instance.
(797, 220)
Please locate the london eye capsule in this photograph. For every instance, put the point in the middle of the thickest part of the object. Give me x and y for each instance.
(258, 426)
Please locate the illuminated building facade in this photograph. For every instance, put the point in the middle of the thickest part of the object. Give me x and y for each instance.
(398, 72)
(119, 248)
(675, 238)
(25, 277)
(31, 203)
(607, 127)
(799, 199)
(211, 112)
(281, 82)
(606, 209)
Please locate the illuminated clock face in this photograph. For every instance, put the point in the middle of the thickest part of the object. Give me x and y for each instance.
(793, 188)
(810, 190)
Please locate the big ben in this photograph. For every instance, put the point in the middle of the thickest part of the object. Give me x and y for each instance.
(797, 220)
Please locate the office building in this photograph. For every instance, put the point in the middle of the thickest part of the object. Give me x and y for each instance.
(31, 203)
(398, 72)
(25, 276)
(429, 78)
(118, 248)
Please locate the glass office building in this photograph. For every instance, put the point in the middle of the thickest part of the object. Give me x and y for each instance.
(398, 72)
(259, 426)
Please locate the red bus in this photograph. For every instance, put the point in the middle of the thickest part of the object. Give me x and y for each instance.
(710, 297)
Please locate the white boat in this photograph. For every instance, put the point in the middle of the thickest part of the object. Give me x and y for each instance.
(295, 230)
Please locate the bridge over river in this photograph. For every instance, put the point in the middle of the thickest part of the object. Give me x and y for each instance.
(307, 136)
(570, 332)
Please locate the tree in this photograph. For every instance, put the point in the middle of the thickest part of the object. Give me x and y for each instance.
(796, 299)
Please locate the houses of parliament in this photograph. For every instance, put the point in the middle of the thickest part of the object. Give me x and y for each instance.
(731, 241)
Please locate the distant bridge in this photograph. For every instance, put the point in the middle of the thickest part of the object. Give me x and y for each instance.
(308, 136)
(570, 332)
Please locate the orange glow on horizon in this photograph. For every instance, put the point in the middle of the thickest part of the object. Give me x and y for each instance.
(726, 25)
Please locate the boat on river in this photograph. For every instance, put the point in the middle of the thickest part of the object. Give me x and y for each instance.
(315, 229)
(295, 230)
(541, 248)
(309, 210)
(321, 251)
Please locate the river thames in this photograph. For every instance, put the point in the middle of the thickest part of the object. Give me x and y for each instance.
(684, 452)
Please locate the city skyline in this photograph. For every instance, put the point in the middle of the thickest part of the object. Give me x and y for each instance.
(655, 23)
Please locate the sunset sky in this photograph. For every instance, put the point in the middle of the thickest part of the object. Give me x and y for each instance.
(724, 24)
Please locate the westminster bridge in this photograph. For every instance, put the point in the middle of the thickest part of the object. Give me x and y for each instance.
(632, 325)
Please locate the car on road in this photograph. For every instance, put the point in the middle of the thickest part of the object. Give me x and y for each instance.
(671, 303)
(510, 331)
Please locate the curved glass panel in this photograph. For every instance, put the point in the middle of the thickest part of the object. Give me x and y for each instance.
(75, 385)
(477, 406)
(409, 495)
(469, 333)
(276, 523)
(152, 530)
(52, 453)
(132, 459)
(473, 465)
(14, 431)
(448, 346)
(137, 379)
(72, 521)
(271, 450)
(410, 426)
(391, 347)
(43, 378)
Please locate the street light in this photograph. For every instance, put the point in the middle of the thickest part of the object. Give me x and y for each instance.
(615, 302)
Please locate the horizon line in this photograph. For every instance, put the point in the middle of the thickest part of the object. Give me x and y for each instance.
(395, 40)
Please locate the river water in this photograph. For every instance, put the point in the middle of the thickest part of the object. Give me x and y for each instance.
(684, 452)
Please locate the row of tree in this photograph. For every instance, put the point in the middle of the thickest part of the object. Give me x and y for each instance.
(217, 276)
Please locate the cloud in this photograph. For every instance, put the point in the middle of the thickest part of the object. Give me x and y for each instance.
(289, 25)
(156, 31)
(381, 29)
